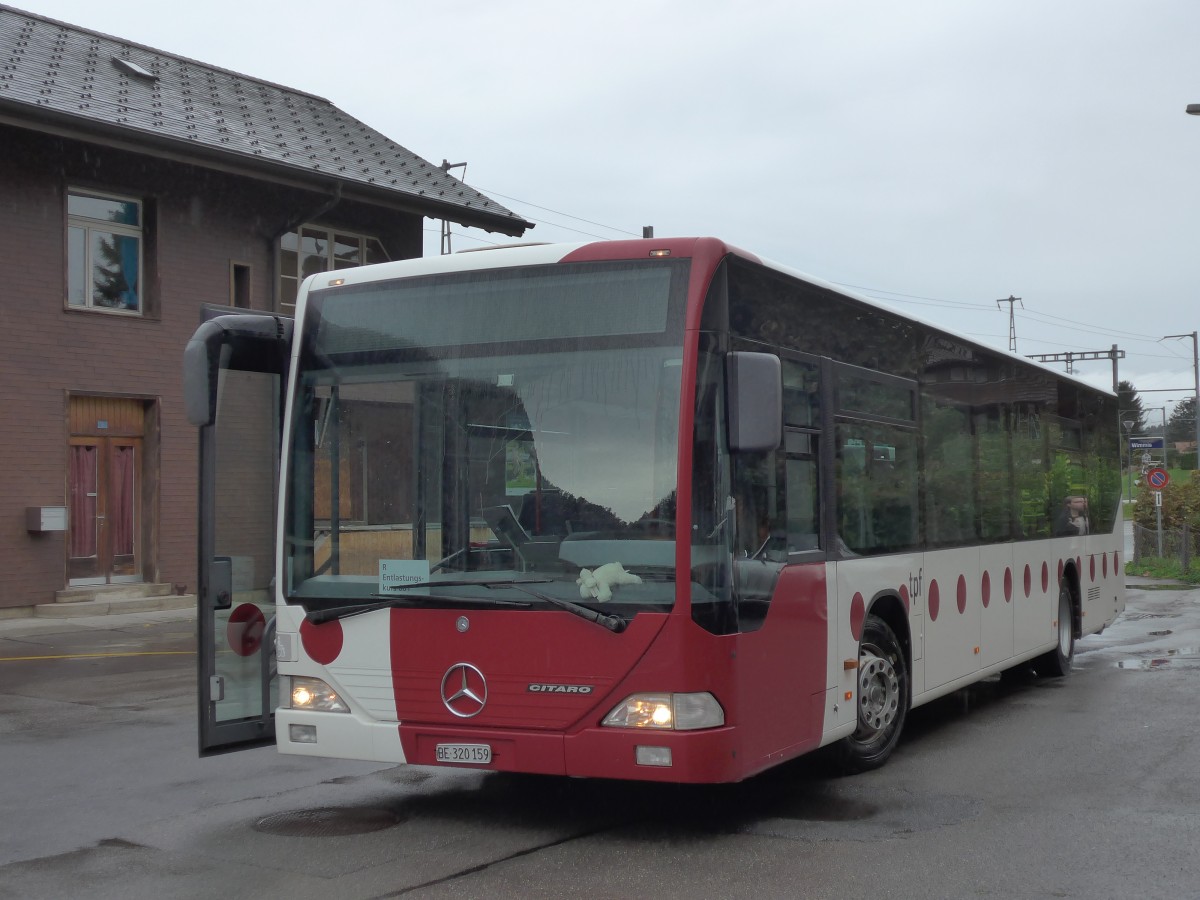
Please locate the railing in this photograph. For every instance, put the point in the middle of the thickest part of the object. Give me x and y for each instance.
(1182, 544)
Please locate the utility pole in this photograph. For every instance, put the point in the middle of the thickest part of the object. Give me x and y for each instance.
(1196, 373)
(1012, 322)
(446, 167)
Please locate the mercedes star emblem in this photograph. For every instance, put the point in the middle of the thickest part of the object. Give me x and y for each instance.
(464, 690)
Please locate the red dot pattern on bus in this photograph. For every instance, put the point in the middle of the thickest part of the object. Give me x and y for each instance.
(245, 628)
(858, 605)
(322, 642)
(858, 614)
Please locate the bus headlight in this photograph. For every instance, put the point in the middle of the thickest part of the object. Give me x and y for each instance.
(314, 694)
(670, 712)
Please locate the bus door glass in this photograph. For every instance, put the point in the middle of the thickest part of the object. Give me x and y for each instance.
(234, 373)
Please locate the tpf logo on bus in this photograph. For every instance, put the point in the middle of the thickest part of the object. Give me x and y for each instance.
(914, 583)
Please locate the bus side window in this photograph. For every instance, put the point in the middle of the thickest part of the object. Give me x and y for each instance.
(760, 538)
(801, 410)
(803, 520)
(760, 498)
(877, 488)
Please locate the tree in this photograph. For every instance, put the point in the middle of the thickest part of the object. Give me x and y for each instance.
(1130, 405)
(1182, 424)
(1180, 506)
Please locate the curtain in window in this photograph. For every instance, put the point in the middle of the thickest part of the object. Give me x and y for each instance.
(83, 501)
(120, 514)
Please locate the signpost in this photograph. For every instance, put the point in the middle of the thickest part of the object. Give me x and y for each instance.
(1158, 478)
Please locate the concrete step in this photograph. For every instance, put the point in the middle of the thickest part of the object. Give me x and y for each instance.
(86, 593)
(114, 606)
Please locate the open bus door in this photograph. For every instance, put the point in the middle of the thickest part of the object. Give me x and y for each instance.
(235, 371)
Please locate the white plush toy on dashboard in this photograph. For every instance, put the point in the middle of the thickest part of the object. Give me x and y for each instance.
(597, 584)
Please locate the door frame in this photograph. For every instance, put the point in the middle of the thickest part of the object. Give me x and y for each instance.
(235, 702)
(108, 421)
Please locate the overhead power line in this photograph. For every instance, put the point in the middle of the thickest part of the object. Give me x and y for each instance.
(556, 212)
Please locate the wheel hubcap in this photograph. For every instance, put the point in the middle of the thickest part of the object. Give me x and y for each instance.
(1064, 629)
(878, 694)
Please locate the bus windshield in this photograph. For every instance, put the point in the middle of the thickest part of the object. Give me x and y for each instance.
(479, 428)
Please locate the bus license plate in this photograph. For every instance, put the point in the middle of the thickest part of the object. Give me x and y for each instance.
(477, 754)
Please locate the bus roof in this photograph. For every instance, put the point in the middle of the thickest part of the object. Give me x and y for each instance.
(534, 254)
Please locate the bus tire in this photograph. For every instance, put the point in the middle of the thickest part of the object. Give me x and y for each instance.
(883, 700)
(1057, 662)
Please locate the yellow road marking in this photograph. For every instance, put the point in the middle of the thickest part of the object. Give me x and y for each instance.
(99, 655)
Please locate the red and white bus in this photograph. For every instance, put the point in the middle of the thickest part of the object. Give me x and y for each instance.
(650, 509)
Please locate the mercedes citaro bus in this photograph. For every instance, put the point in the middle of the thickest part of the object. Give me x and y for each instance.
(650, 509)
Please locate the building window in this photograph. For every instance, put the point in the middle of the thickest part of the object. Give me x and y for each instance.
(239, 285)
(314, 249)
(104, 252)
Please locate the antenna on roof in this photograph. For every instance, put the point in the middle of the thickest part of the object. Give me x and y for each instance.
(446, 167)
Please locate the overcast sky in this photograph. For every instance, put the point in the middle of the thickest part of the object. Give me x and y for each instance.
(936, 154)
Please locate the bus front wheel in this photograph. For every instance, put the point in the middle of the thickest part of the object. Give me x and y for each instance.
(883, 698)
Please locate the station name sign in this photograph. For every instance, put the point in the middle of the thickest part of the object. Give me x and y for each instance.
(1146, 443)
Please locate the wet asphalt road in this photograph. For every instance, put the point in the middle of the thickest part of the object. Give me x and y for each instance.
(1084, 787)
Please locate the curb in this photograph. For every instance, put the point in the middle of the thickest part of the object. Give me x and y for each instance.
(113, 607)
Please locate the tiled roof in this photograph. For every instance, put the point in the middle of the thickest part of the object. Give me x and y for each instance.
(53, 71)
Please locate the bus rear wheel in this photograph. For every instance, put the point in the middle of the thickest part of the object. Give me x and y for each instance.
(1057, 662)
(883, 698)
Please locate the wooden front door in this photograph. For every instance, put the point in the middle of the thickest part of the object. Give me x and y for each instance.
(104, 481)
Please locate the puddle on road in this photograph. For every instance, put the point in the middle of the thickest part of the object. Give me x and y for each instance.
(1181, 658)
(887, 816)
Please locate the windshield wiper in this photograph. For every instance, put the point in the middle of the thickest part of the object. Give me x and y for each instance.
(487, 583)
(401, 598)
(614, 624)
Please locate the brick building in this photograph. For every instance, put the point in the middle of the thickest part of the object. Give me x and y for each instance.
(137, 189)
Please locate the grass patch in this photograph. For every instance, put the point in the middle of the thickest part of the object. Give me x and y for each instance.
(1165, 568)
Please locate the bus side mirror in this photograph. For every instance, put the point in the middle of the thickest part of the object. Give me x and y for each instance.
(754, 387)
(252, 342)
(201, 359)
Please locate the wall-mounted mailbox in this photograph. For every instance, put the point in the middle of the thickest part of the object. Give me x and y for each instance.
(39, 519)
